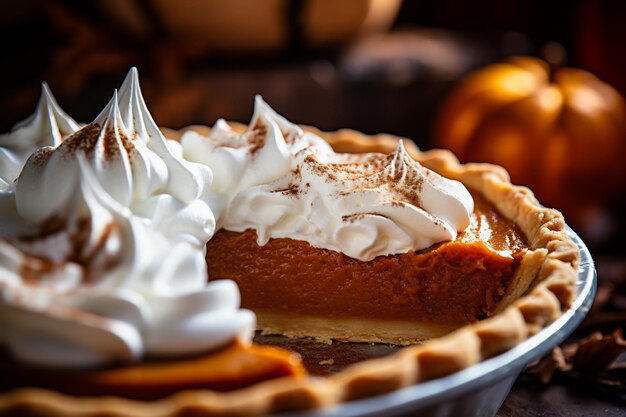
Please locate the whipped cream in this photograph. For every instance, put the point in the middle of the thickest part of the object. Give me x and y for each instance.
(102, 242)
(364, 206)
(285, 183)
(134, 164)
(106, 287)
(46, 127)
(261, 154)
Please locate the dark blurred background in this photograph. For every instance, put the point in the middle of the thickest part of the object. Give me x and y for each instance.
(372, 65)
(330, 65)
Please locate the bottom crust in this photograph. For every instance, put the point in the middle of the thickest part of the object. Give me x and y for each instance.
(323, 329)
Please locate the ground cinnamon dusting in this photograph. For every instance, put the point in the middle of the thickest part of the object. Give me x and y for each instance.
(111, 146)
(393, 172)
(35, 270)
(257, 137)
(87, 139)
(40, 157)
(37, 267)
(84, 140)
(128, 144)
(291, 190)
(351, 218)
(327, 170)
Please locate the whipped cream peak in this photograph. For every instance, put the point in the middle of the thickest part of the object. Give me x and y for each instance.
(111, 268)
(110, 114)
(140, 123)
(50, 119)
(47, 126)
(264, 152)
(128, 171)
(134, 164)
(134, 110)
(294, 137)
(265, 128)
(268, 148)
(263, 110)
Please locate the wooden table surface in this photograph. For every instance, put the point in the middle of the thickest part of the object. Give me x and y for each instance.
(559, 401)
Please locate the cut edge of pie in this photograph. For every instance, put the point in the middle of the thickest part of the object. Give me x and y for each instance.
(543, 289)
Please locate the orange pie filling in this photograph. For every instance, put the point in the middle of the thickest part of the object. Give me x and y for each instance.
(299, 290)
(231, 368)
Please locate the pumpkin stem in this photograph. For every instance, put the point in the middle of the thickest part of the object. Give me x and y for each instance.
(555, 55)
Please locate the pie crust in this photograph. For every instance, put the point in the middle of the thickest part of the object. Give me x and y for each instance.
(545, 289)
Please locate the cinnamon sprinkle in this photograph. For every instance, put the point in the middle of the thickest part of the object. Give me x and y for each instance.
(257, 137)
(84, 140)
(40, 157)
(390, 172)
(291, 190)
(351, 218)
(87, 139)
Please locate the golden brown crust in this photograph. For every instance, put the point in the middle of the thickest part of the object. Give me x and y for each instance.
(546, 279)
(326, 330)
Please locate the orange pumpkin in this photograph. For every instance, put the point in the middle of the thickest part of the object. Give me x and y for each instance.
(562, 133)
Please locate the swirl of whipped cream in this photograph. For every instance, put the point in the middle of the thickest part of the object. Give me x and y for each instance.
(134, 164)
(46, 127)
(285, 183)
(361, 205)
(261, 154)
(106, 287)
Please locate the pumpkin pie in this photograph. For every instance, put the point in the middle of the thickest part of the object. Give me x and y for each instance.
(400, 246)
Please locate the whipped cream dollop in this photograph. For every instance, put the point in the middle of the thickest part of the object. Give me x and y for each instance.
(46, 127)
(106, 287)
(262, 153)
(285, 183)
(102, 240)
(135, 165)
